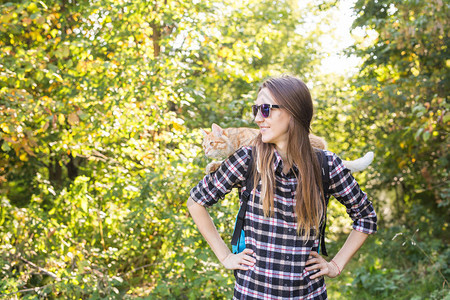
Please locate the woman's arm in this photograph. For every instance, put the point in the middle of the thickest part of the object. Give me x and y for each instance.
(347, 191)
(354, 241)
(202, 219)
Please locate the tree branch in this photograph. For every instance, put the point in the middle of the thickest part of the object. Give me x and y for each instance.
(35, 289)
(53, 275)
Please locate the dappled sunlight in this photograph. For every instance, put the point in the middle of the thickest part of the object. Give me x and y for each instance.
(101, 109)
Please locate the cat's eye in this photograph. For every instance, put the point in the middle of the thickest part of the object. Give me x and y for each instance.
(264, 109)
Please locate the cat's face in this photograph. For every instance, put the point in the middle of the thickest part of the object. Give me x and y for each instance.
(214, 146)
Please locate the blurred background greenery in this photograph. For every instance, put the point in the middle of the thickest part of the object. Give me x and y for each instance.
(101, 103)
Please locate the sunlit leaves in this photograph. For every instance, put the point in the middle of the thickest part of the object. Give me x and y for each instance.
(101, 105)
(403, 92)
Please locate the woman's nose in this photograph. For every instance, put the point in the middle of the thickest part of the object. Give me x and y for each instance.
(259, 118)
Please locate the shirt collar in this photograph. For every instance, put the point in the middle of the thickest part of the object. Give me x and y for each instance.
(278, 164)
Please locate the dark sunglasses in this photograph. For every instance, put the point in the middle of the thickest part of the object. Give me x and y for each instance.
(264, 109)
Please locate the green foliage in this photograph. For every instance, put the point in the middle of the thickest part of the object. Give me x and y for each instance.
(401, 94)
(402, 256)
(100, 108)
(396, 106)
(100, 105)
(390, 263)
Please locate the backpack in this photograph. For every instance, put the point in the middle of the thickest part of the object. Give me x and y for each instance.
(238, 239)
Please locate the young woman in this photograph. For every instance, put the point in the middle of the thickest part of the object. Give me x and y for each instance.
(281, 259)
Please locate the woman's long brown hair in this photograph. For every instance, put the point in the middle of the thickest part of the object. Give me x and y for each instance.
(293, 95)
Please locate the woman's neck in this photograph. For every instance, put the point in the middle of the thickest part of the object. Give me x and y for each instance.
(282, 151)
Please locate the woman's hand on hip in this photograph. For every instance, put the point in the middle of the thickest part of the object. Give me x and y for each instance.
(240, 261)
(317, 262)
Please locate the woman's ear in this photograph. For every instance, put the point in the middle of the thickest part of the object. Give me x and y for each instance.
(291, 122)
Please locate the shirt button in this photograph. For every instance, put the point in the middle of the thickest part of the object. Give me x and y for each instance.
(287, 256)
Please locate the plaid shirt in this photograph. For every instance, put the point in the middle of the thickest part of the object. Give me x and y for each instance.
(281, 254)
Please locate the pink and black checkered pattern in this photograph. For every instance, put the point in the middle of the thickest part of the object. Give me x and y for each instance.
(281, 254)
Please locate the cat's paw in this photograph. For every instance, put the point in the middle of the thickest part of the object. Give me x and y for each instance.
(212, 167)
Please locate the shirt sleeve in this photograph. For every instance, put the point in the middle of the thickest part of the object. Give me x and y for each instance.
(216, 185)
(346, 190)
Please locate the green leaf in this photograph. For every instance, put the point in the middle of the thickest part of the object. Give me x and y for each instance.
(418, 133)
(5, 146)
(84, 204)
(446, 118)
(426, 135)
(190, 262)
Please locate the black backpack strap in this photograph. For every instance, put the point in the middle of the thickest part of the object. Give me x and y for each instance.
(245, 197)
(325, 184)
(323, 161)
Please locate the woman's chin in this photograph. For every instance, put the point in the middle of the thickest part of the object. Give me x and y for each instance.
(265, 139)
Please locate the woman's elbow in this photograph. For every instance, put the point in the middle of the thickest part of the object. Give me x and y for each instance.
(189, 202)
(192, 206)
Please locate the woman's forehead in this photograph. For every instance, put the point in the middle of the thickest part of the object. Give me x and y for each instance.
(265, 97)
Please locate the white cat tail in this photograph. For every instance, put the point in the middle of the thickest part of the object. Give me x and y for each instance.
(359, 164)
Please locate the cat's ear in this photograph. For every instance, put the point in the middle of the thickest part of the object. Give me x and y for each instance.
(217, 130)
(204, 132)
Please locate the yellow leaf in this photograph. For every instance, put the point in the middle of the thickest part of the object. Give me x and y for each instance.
(65, 51)
(5, 127)
(27, 148)
(73, 119)
(61, 119)
(45, 126)
(84, 204)
(178, 127)
(32, 8)
(23, 157)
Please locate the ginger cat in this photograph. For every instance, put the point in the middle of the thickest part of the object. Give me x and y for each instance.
(222, 142)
